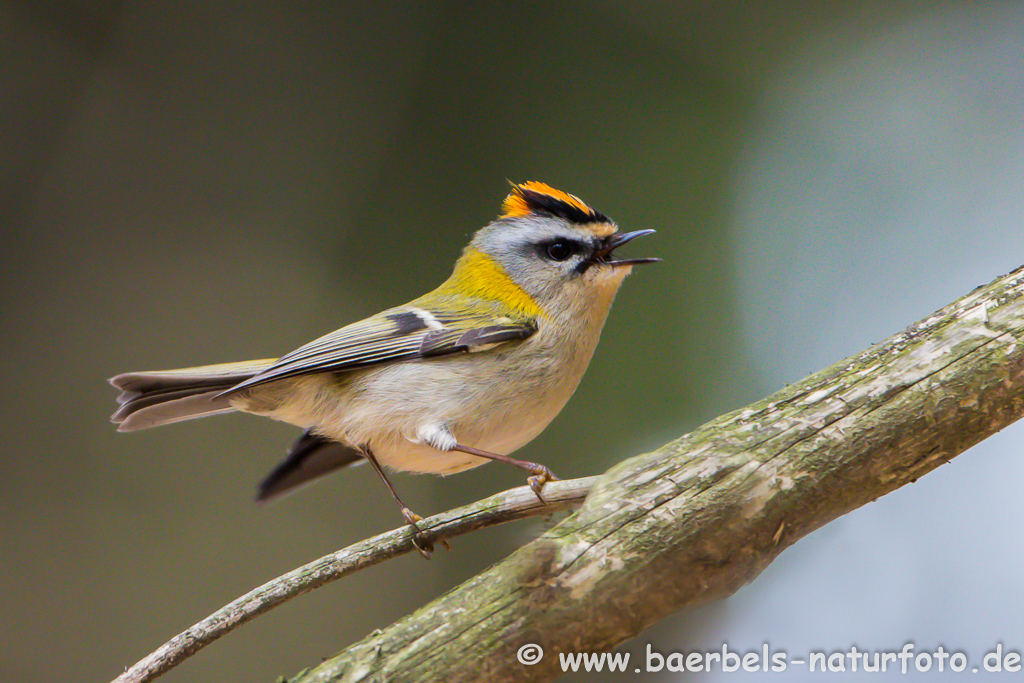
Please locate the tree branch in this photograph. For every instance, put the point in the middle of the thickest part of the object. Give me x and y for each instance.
(698, 518)
(503, 507)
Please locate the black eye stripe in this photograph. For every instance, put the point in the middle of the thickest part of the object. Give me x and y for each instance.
(561, 249)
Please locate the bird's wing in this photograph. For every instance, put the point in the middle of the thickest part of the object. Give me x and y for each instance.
(399, 334)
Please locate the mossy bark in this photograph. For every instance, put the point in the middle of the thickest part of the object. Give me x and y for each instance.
(705, 514)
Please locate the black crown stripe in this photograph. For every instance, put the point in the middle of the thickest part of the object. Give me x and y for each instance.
(538, 202)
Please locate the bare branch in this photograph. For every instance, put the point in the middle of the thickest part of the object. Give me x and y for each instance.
(503, 507)
(705, 514)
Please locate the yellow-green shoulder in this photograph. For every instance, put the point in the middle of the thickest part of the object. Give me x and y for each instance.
(479, 276)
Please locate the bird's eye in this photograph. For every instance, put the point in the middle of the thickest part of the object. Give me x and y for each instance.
(559, 251)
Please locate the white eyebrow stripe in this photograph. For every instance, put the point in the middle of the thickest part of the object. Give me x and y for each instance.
(427, 317)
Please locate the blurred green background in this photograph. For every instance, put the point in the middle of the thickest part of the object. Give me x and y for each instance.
(184, 184)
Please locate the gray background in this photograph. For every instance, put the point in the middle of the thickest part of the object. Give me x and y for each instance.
(183, 184)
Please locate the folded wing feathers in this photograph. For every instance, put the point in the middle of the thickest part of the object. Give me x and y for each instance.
(389, 338)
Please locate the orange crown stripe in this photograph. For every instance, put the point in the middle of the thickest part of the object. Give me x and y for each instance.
(517, 205)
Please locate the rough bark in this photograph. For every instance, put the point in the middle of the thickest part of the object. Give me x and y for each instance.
(700, 517)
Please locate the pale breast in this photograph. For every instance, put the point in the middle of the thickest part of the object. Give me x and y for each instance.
(496, 401)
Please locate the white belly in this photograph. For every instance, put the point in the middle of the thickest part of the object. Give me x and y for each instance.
(388, 407)
(499, 417)
(496, 404)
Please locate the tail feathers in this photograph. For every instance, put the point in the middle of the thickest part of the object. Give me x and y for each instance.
(150, 399)
(309, 458)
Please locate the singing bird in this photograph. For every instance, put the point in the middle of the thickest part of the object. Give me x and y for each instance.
(464, 374)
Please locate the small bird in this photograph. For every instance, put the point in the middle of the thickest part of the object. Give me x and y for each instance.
(467, 373)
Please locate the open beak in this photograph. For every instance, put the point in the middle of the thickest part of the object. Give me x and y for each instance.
(606, 256)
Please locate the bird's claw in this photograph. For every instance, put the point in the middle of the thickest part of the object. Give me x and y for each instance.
(541, 475)
(419, 539)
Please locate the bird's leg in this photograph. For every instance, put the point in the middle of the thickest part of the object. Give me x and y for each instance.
(419, 539)
(440, 437)
(539, 474)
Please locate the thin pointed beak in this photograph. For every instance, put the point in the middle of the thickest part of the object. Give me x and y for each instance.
(606, 257)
